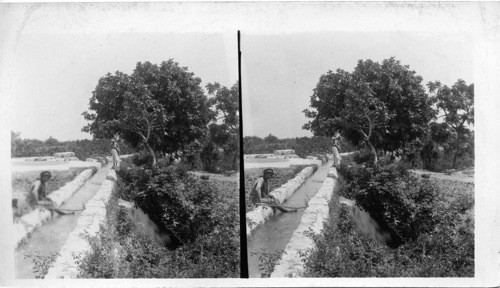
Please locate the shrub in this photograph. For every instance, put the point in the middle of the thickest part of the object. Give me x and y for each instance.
(179, 203)
(201, 217)
(268, 260)
(210, 157)
(215, 161)
(41, 263)
(399, 202)
(142, 158)
(363, 156)
(343, 251)
(119, 251)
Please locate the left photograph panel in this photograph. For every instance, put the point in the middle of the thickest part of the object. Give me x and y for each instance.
(124, 147)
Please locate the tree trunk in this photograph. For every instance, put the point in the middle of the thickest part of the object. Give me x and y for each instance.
(374, 152)
(151, 152)
(457, 148)
(234, 161)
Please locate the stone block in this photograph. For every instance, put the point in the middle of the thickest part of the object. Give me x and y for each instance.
(317, 201)
(257, 217)
(112, 175)
(332, 173)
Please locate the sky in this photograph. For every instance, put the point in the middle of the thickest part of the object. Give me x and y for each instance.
(55, 71)
(60, 51)
(279, 72)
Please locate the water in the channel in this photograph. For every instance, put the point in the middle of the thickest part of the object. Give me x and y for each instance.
(275, 234)
(51, 236)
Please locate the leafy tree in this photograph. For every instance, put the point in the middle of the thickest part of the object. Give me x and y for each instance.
(457, 105)
(224, 135)
(226, 102)
(271, 138)
(51, 141)
(15, 143)
(161, 107)
(382, 105)
(430, 153)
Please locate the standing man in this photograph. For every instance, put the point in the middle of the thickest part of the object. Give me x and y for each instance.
(115, 149)
(260, 192)
(335, 149)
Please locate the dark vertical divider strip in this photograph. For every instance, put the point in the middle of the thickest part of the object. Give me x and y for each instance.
(243, 232)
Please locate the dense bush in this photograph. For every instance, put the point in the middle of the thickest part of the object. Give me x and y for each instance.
(118, 251)
(179, 203)
(398, 201)
(215, 160)
(439, 151)
(210, 247)
(363, 156)
(342, 250)
(142, 158)
(210, 157)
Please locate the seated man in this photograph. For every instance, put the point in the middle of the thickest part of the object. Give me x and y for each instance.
(38, 194)
(260, 191)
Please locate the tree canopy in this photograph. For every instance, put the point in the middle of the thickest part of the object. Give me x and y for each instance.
(457, 105)
(224, 131)
(383, 105)
(226, 103)
(162, 107)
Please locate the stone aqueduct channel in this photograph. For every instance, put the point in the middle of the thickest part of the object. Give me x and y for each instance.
(39, 231)
(278, 232)
(91, 190)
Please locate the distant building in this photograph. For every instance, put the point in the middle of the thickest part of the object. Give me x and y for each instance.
(284, 152)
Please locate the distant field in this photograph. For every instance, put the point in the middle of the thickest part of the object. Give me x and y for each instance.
(37, 163)
(264, 160)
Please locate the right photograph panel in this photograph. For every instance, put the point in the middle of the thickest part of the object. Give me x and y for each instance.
(358, 154)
